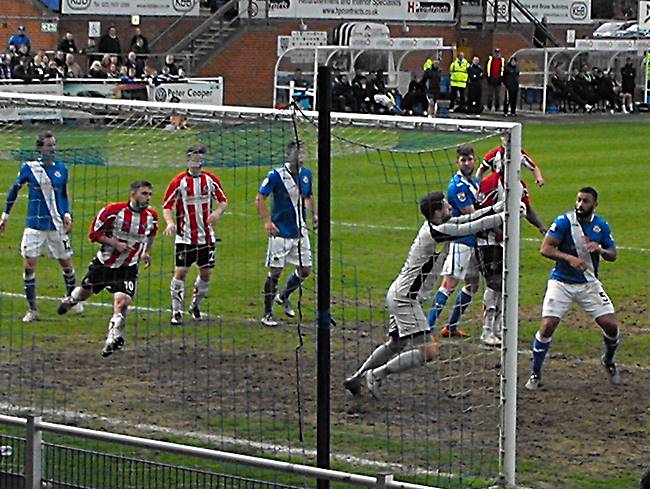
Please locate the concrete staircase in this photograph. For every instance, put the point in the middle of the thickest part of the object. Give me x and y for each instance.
(203, 42)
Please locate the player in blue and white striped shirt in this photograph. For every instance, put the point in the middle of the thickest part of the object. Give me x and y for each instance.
(286, 226)
(48, 217)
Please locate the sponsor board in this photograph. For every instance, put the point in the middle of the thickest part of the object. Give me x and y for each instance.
(31, 113)
(131, 7)
(644, 15)
(555, 11)
(198, 92)
(378, 10)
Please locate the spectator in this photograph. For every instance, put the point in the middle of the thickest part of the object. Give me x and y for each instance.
(24, 70)
(96, 70)
(113, 71)
(127, 74)
(141, 47)
(90, 50)
(539, 35)
(59, 59)
(54, 71)
(585, 85)
(20, 38)
(458, 74)
(574, 94)
(511, 82)
(5, 67)
(415, 101)
(431, 81)
(137, 64)
(342, 94)
(67, 44)
(628, 85)
(72, 68)
(298, 79)
(169, 63)
(475, 87)
(110, 43)
(40, 65)
(494, 74)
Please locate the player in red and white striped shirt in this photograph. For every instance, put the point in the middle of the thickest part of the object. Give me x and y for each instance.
(126, 231)
(494, 161)
(197, 198)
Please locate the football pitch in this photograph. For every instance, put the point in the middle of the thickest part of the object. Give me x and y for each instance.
(577, 432)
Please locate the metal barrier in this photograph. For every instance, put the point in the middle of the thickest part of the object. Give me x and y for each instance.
(34, 455)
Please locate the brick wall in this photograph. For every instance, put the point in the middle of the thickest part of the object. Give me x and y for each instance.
(25, 8)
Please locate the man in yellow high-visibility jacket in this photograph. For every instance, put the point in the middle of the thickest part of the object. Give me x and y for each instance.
(458, 77)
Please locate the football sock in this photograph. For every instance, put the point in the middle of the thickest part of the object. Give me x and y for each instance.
(401, 363)
(200, 290)
(439, 301)
(462, 301)
(29, 279)
(611, 343)
(491, 299)
(177, 290)
(70, 279)
(116, 325)
(379, 357)
(270, 287)
(540, 347)
(292, 285)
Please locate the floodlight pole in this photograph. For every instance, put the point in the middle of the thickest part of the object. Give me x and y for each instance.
(324, 98)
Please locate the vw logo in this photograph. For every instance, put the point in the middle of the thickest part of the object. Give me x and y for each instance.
(183, 5)
(160, 95)
(79, 4)
(578, 11)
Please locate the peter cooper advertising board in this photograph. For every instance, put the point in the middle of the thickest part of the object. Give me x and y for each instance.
(131, 7)
(555, 11)
(380, 10)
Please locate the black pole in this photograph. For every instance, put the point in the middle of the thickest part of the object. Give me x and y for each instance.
(324, 99)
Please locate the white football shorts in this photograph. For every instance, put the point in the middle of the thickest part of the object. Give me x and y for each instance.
(591, 297)
(58, 244)
(295, 251)
(405, 315)
(461, 262)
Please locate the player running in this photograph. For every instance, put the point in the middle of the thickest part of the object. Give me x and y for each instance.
(126, 231)
(576, 241)
(286, 226)
(199, 201)
(408, 326)
(48, 218)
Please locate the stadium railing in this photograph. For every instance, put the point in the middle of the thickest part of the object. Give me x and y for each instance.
(34, 460)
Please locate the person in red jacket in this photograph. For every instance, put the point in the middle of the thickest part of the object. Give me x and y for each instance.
(494, 75)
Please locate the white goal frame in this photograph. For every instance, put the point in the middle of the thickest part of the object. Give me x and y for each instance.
(513, 191)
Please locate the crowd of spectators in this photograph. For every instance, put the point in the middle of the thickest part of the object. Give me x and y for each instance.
(590, 89)
(105, 60)
(475, 86)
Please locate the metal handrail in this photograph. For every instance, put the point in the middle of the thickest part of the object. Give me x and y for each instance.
(35, 425)
(219, 14)
(171, 26)
(538, 25)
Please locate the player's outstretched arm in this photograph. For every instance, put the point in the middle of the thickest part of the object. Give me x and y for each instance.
(482, 224)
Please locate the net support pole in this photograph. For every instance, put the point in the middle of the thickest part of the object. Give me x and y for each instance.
(510, 306)
(324, 98)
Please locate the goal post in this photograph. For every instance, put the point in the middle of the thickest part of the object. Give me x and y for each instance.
(452, 423)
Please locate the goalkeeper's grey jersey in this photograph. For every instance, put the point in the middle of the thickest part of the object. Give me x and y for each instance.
(421, 260)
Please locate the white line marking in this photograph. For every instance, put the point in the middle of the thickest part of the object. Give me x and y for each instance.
(222, 439)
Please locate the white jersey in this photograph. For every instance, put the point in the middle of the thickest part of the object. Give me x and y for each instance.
(422, 260)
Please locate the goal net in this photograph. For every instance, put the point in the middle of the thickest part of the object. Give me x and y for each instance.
(227, 380)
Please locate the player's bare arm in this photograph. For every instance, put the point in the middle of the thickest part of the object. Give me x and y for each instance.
(608, 254)
(170, 230)
(260, 202)
(533, 218)
(550, 249)
(539, 178)
(311, 205)
(216, 214)
(146, 253)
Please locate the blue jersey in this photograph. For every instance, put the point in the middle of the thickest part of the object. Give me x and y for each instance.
(289, 211)
(462, 192)
(48, 194)
(597, 230)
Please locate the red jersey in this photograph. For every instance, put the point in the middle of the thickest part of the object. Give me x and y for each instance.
(119, 221)
(193, 197)
(490, 192)
(493, 159)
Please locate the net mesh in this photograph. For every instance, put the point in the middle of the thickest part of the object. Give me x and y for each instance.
(227, 380)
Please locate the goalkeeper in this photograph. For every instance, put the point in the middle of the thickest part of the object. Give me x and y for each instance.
(410, 343)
